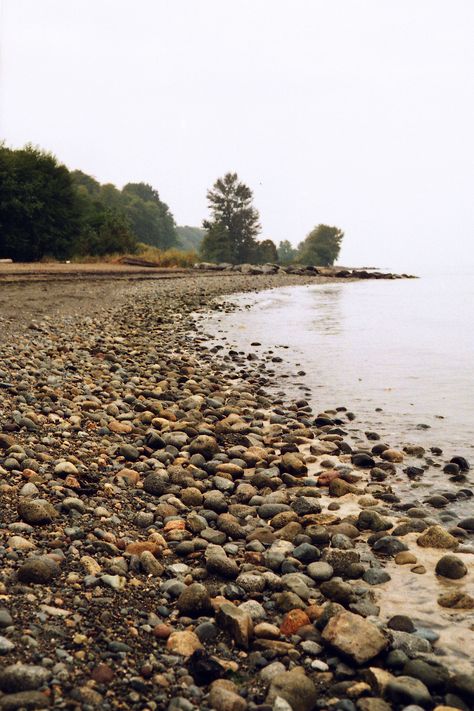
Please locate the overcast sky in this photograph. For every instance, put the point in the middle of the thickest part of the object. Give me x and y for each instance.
(358, 113)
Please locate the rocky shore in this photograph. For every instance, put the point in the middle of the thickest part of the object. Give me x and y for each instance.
(173, 536)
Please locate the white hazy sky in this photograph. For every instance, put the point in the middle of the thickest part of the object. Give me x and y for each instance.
(358, 113)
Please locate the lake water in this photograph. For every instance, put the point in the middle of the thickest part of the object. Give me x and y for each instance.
(404, 346)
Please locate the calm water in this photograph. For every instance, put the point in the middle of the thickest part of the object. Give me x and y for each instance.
(404, 346)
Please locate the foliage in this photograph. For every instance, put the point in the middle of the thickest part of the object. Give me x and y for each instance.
(216, 245)
(190, 238)
(267, 252)
(321, 247)
(38, 207)
(149, 218)
(234, 224)
(106, 232)
(287, 254)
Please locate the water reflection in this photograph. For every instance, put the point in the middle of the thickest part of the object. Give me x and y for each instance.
(326, 314)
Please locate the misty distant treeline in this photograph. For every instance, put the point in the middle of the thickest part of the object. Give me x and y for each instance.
(46, 210)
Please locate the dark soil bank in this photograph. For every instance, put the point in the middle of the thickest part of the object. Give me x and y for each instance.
(172, 537)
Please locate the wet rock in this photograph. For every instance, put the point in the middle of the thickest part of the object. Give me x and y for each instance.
(462, 463)
(457, 600)
(462, 684)
(362, 460)
(437, 537)
(354, 636)
(433, 675)
(389, 545)
(402, 623)
(405, 558)
(372, 521)
(437, 501)
(392, 455)
(407, 690)
(339, 487)
(450, 566)
(376, 576)
(411, 644)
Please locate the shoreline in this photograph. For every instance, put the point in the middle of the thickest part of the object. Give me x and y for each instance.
(206, 538)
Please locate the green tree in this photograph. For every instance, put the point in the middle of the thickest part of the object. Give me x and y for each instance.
(216, 245)
(39, 213)
(105, 231)
(112, 197)
(234, 221)
(321, 247)
(82, 180)
(267, 252)
(286, 252)
(150, 218)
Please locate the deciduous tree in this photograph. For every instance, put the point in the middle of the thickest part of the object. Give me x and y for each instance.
(321, 247)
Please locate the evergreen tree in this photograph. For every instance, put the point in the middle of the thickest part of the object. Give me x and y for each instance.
(234, 224)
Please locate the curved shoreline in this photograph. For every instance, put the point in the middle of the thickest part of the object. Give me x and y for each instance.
(153, 544)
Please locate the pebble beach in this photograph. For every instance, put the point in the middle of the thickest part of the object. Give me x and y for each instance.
(176, 536)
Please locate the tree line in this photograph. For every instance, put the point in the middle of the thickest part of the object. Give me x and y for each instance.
(47, 210)
(234, 226)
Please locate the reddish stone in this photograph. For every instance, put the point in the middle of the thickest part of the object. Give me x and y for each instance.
(326, 477)
(293, 620)
(162, 631)
(138, 547)
(175, 525)
(102, 674)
